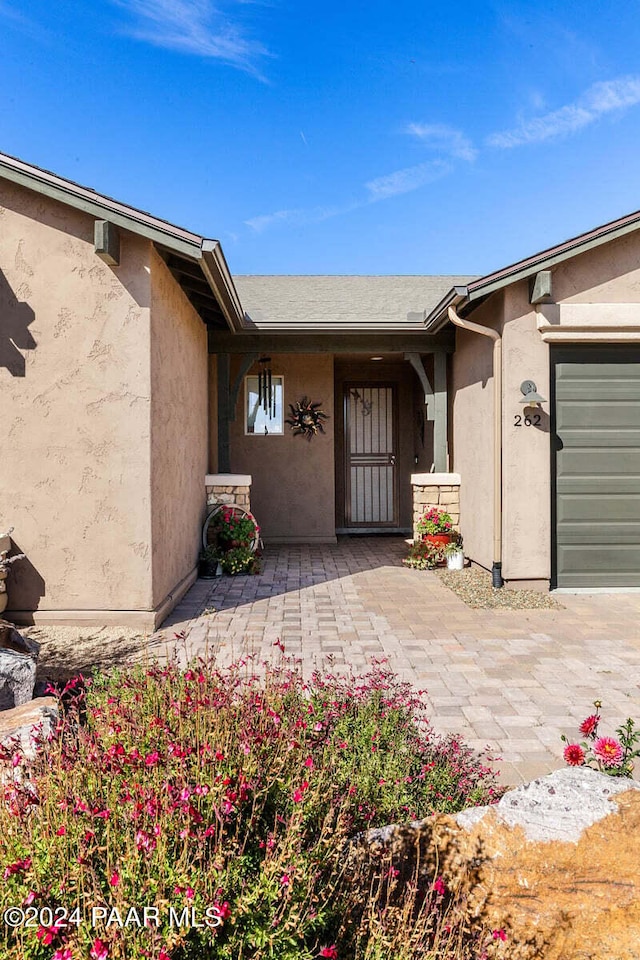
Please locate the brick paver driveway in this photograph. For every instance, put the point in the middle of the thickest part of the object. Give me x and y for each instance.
(510, 680)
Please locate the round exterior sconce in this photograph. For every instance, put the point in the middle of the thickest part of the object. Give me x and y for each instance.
(531, 397)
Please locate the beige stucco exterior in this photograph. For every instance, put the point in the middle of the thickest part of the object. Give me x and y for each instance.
(103, 434)
(471, 447)
(297, 484)
(110, 405)
(179, 453)
(293, 489)
(75, 430)
(596, 296)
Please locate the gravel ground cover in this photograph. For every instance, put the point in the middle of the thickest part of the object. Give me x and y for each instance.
(66, 651)
(473, 585)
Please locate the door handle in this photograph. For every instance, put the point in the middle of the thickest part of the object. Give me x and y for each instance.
(392, 459)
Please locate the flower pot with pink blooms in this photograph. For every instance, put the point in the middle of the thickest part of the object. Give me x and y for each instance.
(436, 527)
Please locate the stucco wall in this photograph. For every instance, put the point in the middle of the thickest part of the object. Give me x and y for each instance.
(526, 492)
(179, 427)
(608, 274)
(292, 495)
(526, 451)
(472, 384)
(74, 430)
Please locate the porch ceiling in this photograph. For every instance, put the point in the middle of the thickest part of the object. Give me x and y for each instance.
(373, 342)
(189, 275)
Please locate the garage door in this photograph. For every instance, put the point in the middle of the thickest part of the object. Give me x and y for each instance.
(597, 466)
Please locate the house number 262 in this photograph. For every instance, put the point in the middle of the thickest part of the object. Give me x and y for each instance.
(533, 421)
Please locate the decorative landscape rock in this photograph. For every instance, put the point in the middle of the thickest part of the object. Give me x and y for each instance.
(18, 656)
(28, 720)
(5, 565)
(556, 864)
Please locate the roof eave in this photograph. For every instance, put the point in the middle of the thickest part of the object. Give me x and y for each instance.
(552, 256)
(216, 270)
(82, 198)
(438, 317)
(480, 289)
(168, 237)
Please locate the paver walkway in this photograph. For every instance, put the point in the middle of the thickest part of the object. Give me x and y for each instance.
(510, 680)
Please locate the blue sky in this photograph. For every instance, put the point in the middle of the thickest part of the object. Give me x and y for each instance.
(352, 137)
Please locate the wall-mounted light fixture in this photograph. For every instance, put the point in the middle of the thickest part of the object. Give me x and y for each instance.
(531, 397)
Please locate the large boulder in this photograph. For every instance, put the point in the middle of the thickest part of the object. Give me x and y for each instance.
(555, 864)
(18, 656)
(29, 722)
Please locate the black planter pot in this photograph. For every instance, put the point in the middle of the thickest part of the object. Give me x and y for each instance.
(207, 569)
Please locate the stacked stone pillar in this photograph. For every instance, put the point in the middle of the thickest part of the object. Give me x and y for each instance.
(232, 489)
(441, 490)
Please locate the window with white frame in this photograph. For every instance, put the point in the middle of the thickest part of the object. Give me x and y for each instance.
(263, 418)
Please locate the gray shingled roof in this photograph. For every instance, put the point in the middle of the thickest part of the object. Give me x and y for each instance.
(341, 302)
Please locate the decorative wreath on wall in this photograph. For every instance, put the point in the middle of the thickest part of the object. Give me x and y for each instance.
(306, 418)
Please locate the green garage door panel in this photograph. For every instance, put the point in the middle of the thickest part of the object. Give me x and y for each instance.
(597, 410)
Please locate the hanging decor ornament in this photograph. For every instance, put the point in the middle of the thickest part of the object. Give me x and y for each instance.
(306, 418)
(266, 393)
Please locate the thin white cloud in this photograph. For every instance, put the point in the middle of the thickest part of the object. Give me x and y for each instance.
(24, 24)
(444, 138)
(266, 220)
(299, 216)
(598, 100)
(192, 26)
(382, 188)
(406, 180)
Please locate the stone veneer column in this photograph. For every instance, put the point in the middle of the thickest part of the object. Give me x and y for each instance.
(228, 488)
(441, 490)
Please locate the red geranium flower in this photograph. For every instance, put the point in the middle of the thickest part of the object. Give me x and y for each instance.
(574, 755)
(330, 953)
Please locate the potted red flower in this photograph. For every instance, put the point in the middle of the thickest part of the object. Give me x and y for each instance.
(435, 526)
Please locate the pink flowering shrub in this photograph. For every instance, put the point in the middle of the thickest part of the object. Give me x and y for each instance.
(606, 754)
(224, 798)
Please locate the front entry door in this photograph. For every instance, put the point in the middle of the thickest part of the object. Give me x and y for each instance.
(370, 455)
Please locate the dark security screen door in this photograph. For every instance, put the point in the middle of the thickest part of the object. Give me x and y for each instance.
(597, 466)
(370, 455)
